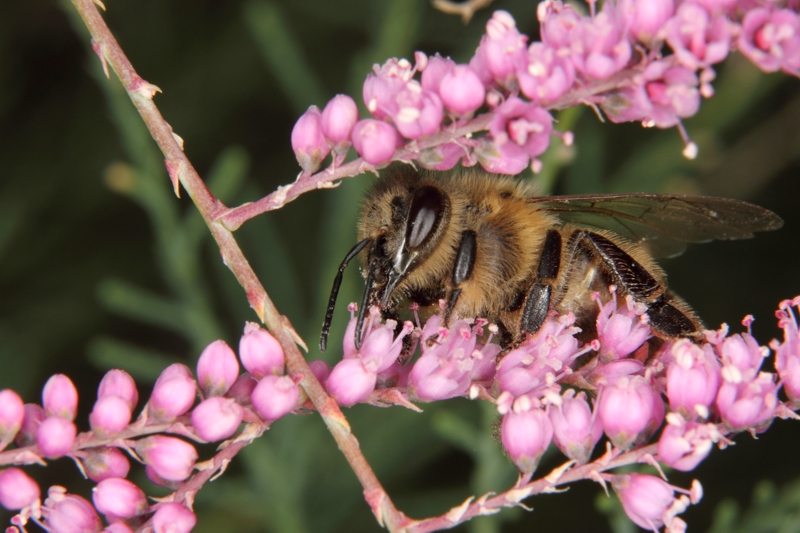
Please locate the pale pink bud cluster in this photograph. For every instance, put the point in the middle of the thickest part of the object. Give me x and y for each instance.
(639, 60)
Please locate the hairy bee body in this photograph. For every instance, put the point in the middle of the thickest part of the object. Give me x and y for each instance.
(489, 247)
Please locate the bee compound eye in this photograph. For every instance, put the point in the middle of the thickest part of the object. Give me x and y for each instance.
(424, 216)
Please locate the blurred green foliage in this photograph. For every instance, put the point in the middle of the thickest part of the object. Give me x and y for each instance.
(101, 266)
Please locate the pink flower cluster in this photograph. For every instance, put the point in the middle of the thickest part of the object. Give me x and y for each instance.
(616, 58)
(554, 389)
(261, 395)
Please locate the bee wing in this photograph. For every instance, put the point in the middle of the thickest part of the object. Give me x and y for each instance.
(664, 223)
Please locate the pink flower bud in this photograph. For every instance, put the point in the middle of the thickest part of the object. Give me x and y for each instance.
(60, 397)
(626, 410)
(119, 498)
(350, 382)
(242, 388)
(55, 437)
(173, 394)
(692, 379)
(308, 142)
(646, 18)
(17, 490)
(170, 457)
(650, 502)
(173, 517)
(462, 91)
(110, 414)
(69, 513)
(217, 369)
(34, 414)
(260, 352)
(435, 71)
(526, 434)
(500, 49)
(375, 141)
(575, 430)
(684, 445)
(338, 119)
(104, 462)
(275, 396)
(320, 369)
(12, 412)
(119, 383)
(217, 418)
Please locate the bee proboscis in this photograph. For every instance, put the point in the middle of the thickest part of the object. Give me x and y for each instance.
(488, 247)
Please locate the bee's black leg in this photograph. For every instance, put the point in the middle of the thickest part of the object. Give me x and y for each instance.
(537, 302)
(635, 280)
(462, 270)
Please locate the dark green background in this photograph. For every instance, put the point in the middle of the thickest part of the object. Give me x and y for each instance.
(101, 266)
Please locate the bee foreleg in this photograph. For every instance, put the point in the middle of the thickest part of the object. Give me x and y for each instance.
(462, 270)
(537, 302)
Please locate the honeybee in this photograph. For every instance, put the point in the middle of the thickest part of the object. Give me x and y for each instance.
(488, 247)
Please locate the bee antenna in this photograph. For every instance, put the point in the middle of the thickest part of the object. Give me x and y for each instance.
(364, 303)
(337, 282)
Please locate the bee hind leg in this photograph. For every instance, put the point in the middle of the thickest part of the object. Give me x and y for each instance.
(669, 316)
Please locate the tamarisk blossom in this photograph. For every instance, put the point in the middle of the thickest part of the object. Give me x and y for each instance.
(68, 513)
(683, 445)
(787, 353)
(620, 329)
(576, 430)
(639, 60)
(747, 397)
(526, 432)
(354, 378)
(650, 502)
(693, 379)
(534, 365)
(17, 489)
(12, 413)
(451, 360)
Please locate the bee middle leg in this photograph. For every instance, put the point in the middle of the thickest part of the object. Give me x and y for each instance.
(462, 270)
(538, 300)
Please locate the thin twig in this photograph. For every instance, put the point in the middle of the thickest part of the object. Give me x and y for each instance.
(182, 172)
(466, 10)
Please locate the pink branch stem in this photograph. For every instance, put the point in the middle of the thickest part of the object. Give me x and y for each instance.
(180, 169)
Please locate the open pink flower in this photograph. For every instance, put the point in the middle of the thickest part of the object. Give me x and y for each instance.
(697, 39)
(771, 39)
